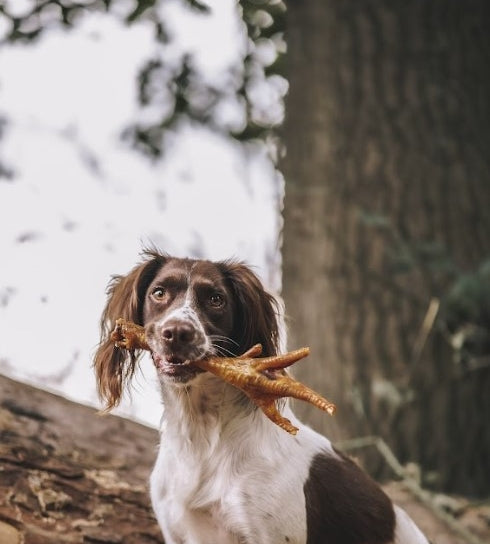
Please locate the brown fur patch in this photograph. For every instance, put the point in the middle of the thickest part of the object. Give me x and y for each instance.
(344, 505)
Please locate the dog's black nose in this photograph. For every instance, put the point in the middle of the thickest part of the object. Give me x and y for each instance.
(178, 332)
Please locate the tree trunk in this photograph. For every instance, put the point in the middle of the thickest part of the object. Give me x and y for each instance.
(387, 200)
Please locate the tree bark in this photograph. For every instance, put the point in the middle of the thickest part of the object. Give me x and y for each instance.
(387, 200)
(70, 475)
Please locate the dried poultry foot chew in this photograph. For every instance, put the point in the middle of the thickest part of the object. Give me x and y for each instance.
(263, 382)
(128, 335)
(261, 378)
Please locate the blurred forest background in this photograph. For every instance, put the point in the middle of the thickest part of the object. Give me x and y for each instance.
(383, 142)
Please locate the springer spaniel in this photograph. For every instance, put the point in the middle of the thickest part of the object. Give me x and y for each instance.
(225, 474)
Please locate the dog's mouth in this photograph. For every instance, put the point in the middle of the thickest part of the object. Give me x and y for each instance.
(175, 367)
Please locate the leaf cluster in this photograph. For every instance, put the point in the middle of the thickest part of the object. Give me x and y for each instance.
(172, 91)
(466, 317)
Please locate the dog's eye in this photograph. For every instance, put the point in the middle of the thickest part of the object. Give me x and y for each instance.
(216, 300)
(159, 293)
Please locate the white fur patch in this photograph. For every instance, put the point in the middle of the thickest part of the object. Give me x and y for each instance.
(406, 532)
(227, 474)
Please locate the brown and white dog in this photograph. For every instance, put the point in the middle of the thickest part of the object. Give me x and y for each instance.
(224, 473)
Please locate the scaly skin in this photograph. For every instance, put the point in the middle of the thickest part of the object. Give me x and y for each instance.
(128, 335)
(262, 379)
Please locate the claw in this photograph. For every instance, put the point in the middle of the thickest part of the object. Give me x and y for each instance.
(278, 362)
(128, 335)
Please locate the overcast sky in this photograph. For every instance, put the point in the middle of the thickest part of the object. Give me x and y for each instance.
(81, 204)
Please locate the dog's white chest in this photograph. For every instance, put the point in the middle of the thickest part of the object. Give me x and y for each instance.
(187, 507)
(228, 496)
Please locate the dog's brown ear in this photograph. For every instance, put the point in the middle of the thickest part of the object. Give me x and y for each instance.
(257, 311)
(114, 367)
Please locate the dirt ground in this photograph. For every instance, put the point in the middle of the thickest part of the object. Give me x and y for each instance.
(472, 518)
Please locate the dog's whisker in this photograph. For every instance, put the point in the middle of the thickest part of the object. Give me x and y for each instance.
(221, 338)
(220, 350)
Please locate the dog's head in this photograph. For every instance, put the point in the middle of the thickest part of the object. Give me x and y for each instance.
(190, 309)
